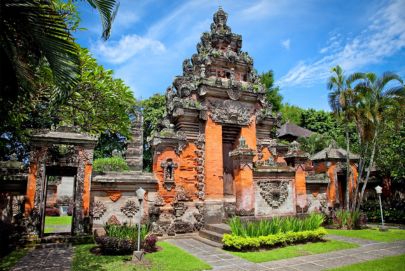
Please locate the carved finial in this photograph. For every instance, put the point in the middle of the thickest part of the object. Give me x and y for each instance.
(242, 142)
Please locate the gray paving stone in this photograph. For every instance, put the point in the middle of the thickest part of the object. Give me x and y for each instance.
(308, 267)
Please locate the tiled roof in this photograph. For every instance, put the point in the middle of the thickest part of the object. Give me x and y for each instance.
(293, 129)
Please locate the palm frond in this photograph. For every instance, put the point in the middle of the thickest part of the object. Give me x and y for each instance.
(107, 10)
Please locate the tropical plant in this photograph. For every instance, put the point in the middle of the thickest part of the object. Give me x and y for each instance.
(341, 101)
(275, 225)
(114, 163)
(272, 95)
(375, 97)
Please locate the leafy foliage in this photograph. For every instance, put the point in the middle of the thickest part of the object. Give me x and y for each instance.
(246, 243)
(114, 163)
(275, 225)
(273, 96)
(153, 110)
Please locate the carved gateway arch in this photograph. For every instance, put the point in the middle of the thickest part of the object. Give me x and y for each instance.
(64, 152)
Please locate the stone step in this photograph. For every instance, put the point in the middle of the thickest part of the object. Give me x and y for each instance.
(210, 235)
(218, 228)
(207, 241)
(54, 245)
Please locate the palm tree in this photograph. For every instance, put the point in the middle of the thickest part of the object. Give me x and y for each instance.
(30, 31)
(340, 100)
(374, 96)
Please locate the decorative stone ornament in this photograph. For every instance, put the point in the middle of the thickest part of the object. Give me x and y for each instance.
(130, 208)
(230, 112)
(168, 173)
(98, 209)
(273, 192)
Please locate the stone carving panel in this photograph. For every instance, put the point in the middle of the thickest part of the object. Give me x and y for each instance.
(130, 208)
(98, 209)
(200, 143)
(230, 112)
(273, 192)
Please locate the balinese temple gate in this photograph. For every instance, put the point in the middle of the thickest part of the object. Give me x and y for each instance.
(215, 155)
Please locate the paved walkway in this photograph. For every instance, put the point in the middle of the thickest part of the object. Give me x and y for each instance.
(58, 258)
(221, 260)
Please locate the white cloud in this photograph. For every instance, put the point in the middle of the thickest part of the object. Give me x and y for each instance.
(286, 44)
(384, 37)
(117, 52)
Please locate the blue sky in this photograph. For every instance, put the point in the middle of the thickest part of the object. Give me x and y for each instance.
(299, 40)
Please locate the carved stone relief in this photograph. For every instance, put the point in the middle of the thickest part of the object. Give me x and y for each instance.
(230, 112)
(130, 208)
(273, 192)
(168, 173)
(200, 144)
(98, 209)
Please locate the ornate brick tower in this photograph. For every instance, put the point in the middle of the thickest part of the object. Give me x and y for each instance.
(212, 154)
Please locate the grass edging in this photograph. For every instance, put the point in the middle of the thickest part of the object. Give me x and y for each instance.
(391, 235)
(390, 263)
(231, 241)
(294, 251)
(170, 258)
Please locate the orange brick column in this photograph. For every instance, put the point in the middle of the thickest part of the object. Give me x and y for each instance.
(244, 188)
(214, 187)
(86, 189)
(31, 187)
(300, 187)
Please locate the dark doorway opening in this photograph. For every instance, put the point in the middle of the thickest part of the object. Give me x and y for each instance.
(59, 199)
(230, 135)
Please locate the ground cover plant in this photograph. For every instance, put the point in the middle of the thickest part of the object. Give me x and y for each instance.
(293, 251)
(168, 258)
(8, 261)
(275, 232)
(392, 263)
(122, 239)
(391, 235)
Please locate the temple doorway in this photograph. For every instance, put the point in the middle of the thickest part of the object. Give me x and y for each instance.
(59, 199)
(230, 135)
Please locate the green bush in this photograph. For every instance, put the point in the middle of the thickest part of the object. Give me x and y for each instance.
(347, 219)
(231, 241)
(122, 239)
(275, 225)
(115, 163)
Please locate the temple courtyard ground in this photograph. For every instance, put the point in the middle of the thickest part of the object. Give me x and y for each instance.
(190, 254)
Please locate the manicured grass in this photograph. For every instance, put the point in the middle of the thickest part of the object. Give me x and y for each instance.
(294, 251)
(11, 259)
(392, 263)
(58, 220)
(372, 234)
(52, 223)
(167, 259)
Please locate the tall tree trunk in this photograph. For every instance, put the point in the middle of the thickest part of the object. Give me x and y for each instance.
(362, 162)
(368, 169)
(347, 168)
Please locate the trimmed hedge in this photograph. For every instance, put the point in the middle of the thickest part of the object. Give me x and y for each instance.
(114, 163)
(248, 243)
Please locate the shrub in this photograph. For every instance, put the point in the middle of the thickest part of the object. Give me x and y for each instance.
(122, 239)
(115, 163)
(149, 243)
(275, 225)
(115, 246)
(282, 238)
(347, 219)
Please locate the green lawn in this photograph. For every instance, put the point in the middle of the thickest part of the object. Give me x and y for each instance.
(11, 259)
(52, 223)
(294, 251)
(169, 258)
(372, 234)
(58, 220)
(392, 263)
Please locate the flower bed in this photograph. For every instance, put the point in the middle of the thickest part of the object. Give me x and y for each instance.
(274, 232)
(122, 240)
